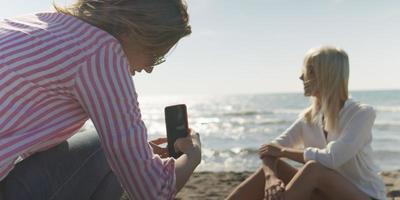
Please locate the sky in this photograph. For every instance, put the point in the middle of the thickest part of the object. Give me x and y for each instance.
(258, 46)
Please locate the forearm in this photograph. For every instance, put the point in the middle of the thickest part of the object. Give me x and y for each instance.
(293, 154)
(185, 165)
(269, 166)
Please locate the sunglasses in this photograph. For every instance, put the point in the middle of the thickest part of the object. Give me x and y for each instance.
(158, 60)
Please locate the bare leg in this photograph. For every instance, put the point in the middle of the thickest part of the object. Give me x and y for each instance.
(314, 176)
(253, 187)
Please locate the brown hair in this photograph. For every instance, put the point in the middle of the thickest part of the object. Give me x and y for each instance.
(152, 25)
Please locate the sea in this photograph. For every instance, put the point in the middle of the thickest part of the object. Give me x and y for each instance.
(233, 127)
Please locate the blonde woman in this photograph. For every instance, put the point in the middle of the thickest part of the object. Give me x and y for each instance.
(59, 69)
(332, 138)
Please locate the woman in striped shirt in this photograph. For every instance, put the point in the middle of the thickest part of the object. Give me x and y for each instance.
(59, 69)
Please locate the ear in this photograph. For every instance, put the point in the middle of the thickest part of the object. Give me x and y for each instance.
(125, 42)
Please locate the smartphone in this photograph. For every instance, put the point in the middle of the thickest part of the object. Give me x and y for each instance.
(176, 121)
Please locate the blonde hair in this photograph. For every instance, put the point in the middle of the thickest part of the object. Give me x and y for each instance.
(153, 25)
(330, 66)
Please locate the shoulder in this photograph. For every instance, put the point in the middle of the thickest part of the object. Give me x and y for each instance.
(360, 108)
(87, 37)
(354, 110)
(299, 122)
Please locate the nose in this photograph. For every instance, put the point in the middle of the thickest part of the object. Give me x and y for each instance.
(301, 77)
(149, 69)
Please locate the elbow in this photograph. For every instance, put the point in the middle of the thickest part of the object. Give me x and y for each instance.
(328, 160)
(333, 163)
(337, 163)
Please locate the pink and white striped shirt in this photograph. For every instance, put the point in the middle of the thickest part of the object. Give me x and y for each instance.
(56, 72)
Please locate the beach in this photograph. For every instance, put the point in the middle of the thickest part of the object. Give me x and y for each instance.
(217, 185)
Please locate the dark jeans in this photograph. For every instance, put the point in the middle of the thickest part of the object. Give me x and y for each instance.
(74, 170)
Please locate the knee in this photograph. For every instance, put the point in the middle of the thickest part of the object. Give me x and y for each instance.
(318, 195)
(316, 169)
(313, 167)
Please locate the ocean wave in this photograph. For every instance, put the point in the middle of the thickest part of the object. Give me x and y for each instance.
(273, 122)
(388, 108)
(246, 159)
(387, 125)
(288, 111)
(253, 151)
(384, 152)
(247, 113)
(230, 152)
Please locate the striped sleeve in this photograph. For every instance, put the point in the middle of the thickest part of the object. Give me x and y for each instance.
(106, 92)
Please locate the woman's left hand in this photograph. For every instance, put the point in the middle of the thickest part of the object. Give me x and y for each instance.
(273, 150)
(161, 151)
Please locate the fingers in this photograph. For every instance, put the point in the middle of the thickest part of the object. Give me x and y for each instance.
(154, 146)
(263, 151)
(156, 149)
(269, 150)
(162, 152)
(275, 191)
(262, 154)
(164, 155)
(195, 136)
(283, 185)
(183, 144)
(281, 192)
(267, 193)
(159, 141)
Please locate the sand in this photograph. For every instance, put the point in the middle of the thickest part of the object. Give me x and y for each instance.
(217, 185)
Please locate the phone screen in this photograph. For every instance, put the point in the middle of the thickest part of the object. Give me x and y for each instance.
(177, 126)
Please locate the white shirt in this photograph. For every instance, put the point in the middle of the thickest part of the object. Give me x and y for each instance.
(348, 150)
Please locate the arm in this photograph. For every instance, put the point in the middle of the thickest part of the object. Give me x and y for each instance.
(293, 154)
(270, 153)
(282, 146)
(277, 151)
(106, 93)
(269, 166)
(352, 139)
(292, 136)
(185, 164)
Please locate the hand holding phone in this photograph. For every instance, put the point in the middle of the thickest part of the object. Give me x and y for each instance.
(176, 121)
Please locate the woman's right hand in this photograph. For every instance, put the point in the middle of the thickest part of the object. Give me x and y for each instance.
(190, 144)
(187, 163)
(270, 150)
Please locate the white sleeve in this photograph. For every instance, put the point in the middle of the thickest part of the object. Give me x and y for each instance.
(291, 137)
(352, 139)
